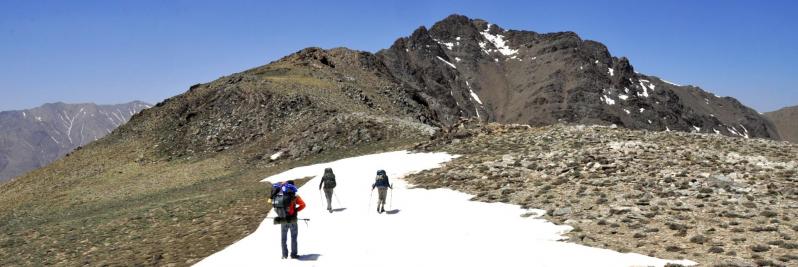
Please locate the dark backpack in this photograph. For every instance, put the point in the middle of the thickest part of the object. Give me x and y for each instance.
(329, 180)
(382, 179)
(281, 202)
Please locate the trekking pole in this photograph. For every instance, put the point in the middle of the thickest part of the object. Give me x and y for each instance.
(338, 200)
(372, 192)
(390, 204)
(321, 201)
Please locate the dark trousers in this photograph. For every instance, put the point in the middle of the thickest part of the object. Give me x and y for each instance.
(283, 234)
(328, 192)
(382, 193)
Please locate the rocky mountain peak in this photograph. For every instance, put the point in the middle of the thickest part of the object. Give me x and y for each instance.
(472, 68)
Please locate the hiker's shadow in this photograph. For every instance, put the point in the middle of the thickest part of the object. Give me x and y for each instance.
(309, 257)
(338, 209)
(394, 211)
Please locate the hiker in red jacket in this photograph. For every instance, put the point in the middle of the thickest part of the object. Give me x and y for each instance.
(290, 221)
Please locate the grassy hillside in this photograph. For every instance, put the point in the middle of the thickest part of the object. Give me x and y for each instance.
(180, 180)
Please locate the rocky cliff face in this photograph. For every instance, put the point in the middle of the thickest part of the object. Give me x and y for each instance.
(32, 138)
(786, 121)
(472, 68)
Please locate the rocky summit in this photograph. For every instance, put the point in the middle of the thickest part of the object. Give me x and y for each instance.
(713, 199)
(471, 68)
(180, 180)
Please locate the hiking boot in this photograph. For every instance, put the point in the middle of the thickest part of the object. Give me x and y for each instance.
(295, 256)
(284, 257)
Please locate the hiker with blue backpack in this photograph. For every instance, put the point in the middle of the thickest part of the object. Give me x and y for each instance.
(286, 205)
(328, 182)
(382, 184)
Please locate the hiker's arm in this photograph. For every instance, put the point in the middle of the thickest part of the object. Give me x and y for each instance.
(300, 203)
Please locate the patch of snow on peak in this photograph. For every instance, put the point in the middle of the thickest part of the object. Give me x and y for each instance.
(642, 109)
(276, 155)
(716, 131)
(447, 45)
(498, 41)
(671, 83)
(473, 95)
(607, 100)
(645, 89)
(697, 129)
(623, 97)
(611, 71)
(627, 111)
(457, 59)
(447, 62)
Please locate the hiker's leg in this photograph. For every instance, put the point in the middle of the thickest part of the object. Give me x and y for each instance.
(294, 233)
(283, 237)
(383, 193)
(328, 192)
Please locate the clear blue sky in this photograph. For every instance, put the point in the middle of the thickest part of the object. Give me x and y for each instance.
(118, 51)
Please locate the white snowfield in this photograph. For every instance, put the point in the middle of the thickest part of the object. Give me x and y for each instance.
(422, 227)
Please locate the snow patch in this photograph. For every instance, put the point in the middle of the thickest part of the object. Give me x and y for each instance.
(276, 155)
(671, 83)
(642, 109)
(645, 89)
(457, 59)
(447, 62)
(348, 236)
(473, 95)
(608, 100)
(611, 71)
(697, 129)
(627, 111)
(498, 42)
(447, 45)
(623, 97)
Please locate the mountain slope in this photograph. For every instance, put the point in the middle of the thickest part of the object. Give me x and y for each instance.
(469, 67)
(786, 121)
(179, 180)
(32, 138)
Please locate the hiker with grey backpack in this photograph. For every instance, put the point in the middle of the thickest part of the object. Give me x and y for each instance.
(286, 205)
(382, 184)
(328, 183)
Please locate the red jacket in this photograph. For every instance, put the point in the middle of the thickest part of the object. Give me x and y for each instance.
(293, 209)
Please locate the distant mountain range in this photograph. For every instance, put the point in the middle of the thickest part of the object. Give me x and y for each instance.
(32, 138)
(786, 121)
